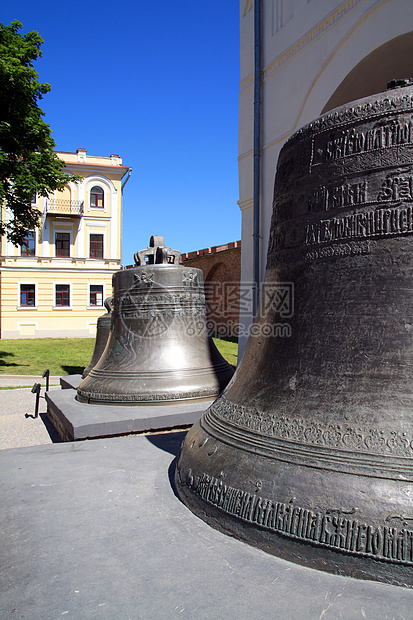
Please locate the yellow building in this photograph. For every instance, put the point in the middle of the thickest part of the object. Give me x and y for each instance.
(55, 283)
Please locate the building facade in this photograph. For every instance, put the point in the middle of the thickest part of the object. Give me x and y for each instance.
(55, 283)
(315, 55)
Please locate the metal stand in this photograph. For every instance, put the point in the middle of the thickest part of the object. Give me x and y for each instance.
(46, 374)
(36, 390)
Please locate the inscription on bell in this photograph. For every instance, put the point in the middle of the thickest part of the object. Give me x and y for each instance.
(367, 224)
(360, 140)
(397, 187)
(336, 531)
(338, 197)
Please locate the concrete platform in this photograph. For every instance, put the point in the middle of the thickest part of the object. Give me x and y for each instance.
(70, 382)
(94, 530)
(76, 421)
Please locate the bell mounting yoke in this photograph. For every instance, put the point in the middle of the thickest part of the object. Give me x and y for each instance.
(157, 253)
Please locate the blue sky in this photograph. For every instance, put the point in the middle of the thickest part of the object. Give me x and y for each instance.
(157, 83)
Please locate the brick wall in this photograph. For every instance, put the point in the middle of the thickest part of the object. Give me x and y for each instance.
(221, 267)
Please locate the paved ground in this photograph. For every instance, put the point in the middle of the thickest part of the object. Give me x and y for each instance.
(94, 529)
(18, 426)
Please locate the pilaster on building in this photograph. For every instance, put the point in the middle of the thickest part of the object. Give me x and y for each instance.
(54, 284)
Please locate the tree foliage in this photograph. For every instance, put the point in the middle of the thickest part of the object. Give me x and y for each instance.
(28, 164)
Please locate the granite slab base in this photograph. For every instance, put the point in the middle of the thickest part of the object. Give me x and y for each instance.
(70, 382)
(93, 529)
(75, 421)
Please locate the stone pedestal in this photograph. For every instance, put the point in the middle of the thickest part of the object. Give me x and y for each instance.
(70, 382)
(75, 421)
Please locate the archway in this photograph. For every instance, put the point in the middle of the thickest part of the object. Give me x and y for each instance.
(392, 60)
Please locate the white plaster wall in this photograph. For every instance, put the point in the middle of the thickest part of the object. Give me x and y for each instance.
(304, 62)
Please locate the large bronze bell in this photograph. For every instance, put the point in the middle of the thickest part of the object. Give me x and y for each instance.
(308, 453)
(158, 349)
(102, 334)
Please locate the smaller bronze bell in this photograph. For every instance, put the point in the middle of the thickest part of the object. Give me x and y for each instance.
(102, 333)
(158, 349)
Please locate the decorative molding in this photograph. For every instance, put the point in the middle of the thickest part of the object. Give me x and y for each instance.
(319, 29)
(244, 205)
(307, 432)
(247, 8)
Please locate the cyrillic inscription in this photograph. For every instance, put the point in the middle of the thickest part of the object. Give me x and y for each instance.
(137, 305)
(371, 223)
(331, 529)
(352, 248)
(396, 187)
(148, 397)
(345, 195)
(352, 141)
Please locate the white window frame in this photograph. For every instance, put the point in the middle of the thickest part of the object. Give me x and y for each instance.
(101, 231)
(89, 307)
(58, 283)
(57, 230)
(19, 284)
(106, 196)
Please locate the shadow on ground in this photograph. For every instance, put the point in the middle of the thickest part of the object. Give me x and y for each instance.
(169, 442)
(73, 370)
(6, 363)
(53, 434)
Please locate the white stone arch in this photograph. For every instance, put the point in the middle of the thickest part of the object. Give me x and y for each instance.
(101, 181)
(349, 71)
(392, 60)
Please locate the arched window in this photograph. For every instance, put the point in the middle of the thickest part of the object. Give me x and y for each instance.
(97, 197)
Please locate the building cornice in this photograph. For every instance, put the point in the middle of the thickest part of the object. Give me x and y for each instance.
(87, 170)
(46, 269)
(52, 262)
(335, 16)
(246, 204)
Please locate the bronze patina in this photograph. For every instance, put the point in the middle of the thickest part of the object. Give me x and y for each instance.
(158, 349)
(308, 453)
(102, 334)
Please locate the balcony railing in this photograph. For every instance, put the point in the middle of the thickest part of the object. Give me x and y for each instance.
(64, 208)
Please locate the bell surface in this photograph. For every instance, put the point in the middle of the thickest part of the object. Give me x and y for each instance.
(102, 333)
(158, 349)
(308, 453)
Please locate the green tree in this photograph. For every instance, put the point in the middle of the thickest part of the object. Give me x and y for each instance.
(28, 164)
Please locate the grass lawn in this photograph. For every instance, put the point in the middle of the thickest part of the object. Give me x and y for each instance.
(64, 356)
